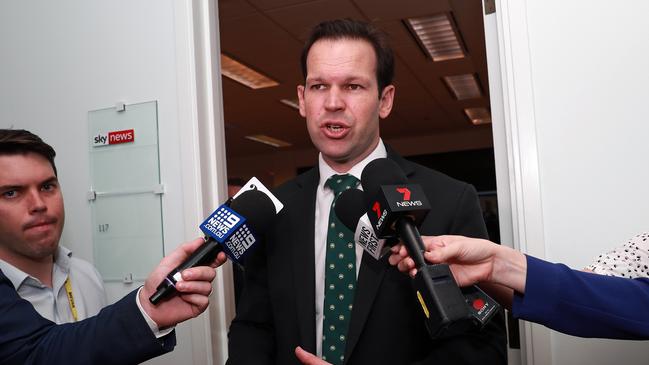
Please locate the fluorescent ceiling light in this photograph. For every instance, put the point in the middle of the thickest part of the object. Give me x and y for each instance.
(438, 36)
(478, 116)
(244, 74)
(463, 86)
(261, 138)
(293, 103)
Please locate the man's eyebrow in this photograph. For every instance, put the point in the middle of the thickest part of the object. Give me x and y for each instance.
(51, 179)
(10, 186)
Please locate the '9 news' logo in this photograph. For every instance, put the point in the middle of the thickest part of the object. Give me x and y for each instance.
(221, 223)
(240, 241)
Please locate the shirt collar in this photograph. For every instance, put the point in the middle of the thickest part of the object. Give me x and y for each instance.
(18, 277)
(326, 171)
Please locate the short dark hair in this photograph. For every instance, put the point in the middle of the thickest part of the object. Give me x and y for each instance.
(236, 181)
(20, 141)
(354, 29)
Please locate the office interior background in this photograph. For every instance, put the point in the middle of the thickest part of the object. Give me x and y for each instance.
(539, 104)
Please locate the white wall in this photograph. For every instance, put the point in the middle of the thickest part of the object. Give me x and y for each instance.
(575, 76)
(62, 59)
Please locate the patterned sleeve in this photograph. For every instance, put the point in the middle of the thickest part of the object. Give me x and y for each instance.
(631, 260)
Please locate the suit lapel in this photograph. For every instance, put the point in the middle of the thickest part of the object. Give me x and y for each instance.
(369, 278)
(303, 257)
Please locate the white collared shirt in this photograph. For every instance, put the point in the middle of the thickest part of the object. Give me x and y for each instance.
(324, 198)
(52, 303)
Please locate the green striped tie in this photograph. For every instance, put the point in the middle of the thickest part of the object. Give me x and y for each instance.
(340, 277)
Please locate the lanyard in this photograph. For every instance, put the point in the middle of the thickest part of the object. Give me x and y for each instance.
(73, 307)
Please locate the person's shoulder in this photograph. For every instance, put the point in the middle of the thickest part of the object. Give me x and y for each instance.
(426, 175)
(289, 188)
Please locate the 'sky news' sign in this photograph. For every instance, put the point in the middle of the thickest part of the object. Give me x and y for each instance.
(115, 137)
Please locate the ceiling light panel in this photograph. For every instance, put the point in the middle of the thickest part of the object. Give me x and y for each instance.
(244, 74)
(262, 138)
(438, 37)
(463, 86)
(293, 103)
(478, 116)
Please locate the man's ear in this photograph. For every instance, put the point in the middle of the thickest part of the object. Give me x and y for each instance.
(300, 98)
(385, 103)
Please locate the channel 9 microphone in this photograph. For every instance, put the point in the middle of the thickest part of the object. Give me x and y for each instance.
(234, 228)
(395, 209)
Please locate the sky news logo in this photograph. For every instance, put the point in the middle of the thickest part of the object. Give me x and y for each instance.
(115, 137)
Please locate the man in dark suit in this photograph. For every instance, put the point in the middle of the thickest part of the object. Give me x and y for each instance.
(348, 69)
(120, 334)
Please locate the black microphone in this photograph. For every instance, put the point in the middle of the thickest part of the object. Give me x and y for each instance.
(396, 208)
(350, 209)
(233, 228)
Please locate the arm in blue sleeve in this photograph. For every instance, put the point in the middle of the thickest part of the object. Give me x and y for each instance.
(584, 304)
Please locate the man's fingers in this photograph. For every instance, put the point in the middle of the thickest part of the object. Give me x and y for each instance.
(412, 273)
(406, 265)
(220, 260)
(307, 358)
(197, 300)
(195, 287)
(199, 273)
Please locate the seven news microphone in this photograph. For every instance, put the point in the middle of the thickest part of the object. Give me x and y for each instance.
(395, 209)
(233, 228)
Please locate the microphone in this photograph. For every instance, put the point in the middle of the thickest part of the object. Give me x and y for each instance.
(350, 209)
(396, 208)
(233, 228)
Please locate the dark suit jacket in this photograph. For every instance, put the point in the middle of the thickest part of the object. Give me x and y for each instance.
(117, 335)
(277, 308)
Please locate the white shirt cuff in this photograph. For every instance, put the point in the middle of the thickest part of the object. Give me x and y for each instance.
(157, 332)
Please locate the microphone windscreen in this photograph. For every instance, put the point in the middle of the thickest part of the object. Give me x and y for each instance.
(381, 171)
(350, 207)
(256, 207)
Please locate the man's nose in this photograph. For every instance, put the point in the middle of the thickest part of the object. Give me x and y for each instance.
(335, 100)
(36, 202)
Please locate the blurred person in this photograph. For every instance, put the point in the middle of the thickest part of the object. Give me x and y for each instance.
(234, 185)
(629, 260)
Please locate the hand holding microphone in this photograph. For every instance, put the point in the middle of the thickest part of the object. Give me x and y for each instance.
(233, 228)
(395, 209)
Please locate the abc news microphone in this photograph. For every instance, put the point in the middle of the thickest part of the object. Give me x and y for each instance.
(233, 228)
(395, 209)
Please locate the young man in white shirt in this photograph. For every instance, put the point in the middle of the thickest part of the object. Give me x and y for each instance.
(62, 288)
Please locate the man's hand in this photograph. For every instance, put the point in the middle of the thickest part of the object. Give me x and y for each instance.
(194, 289)
(308, 358)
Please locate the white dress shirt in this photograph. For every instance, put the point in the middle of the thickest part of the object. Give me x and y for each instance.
(52, 303)
(324, 198)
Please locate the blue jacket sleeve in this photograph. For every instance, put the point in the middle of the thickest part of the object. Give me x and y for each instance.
(584, 304)
(117, 335)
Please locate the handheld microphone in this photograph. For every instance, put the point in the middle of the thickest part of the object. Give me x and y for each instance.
(233, 228)
(350, 209)
(397, 208)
